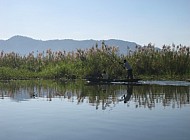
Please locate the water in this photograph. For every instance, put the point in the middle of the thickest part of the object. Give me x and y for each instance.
(46, 110)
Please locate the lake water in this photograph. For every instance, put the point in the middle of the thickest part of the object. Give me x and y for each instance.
(50, 110)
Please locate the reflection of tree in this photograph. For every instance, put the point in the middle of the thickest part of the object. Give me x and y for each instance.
(100, 96)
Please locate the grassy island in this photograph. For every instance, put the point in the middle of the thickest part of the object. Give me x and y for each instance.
(148, 62)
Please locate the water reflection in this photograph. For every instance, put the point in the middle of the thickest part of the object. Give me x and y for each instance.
(126, 97)
(101, 96)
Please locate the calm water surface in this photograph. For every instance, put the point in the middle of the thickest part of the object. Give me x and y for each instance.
(46, 110)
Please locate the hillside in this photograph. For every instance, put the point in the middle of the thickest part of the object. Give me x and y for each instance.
(24, 45)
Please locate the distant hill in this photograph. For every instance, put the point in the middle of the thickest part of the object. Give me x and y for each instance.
(24, 45)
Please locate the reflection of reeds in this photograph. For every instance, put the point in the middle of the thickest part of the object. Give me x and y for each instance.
(100, 96)
(147, 60)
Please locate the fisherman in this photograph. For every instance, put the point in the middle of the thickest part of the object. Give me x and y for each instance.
(104, 75)
(129, 69)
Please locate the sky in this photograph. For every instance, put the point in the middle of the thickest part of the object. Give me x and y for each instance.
(142, 21)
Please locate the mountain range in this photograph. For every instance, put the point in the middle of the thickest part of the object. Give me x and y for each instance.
(25, 45)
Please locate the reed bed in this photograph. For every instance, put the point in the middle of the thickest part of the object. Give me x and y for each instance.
(171, 61)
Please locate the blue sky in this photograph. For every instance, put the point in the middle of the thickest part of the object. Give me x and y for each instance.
(141, 21)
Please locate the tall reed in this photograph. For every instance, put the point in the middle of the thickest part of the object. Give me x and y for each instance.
(147, 60)
(170, 60)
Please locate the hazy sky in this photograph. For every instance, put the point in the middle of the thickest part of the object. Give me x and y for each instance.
(141, 21)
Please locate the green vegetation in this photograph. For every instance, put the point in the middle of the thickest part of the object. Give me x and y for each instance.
(170, 62)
